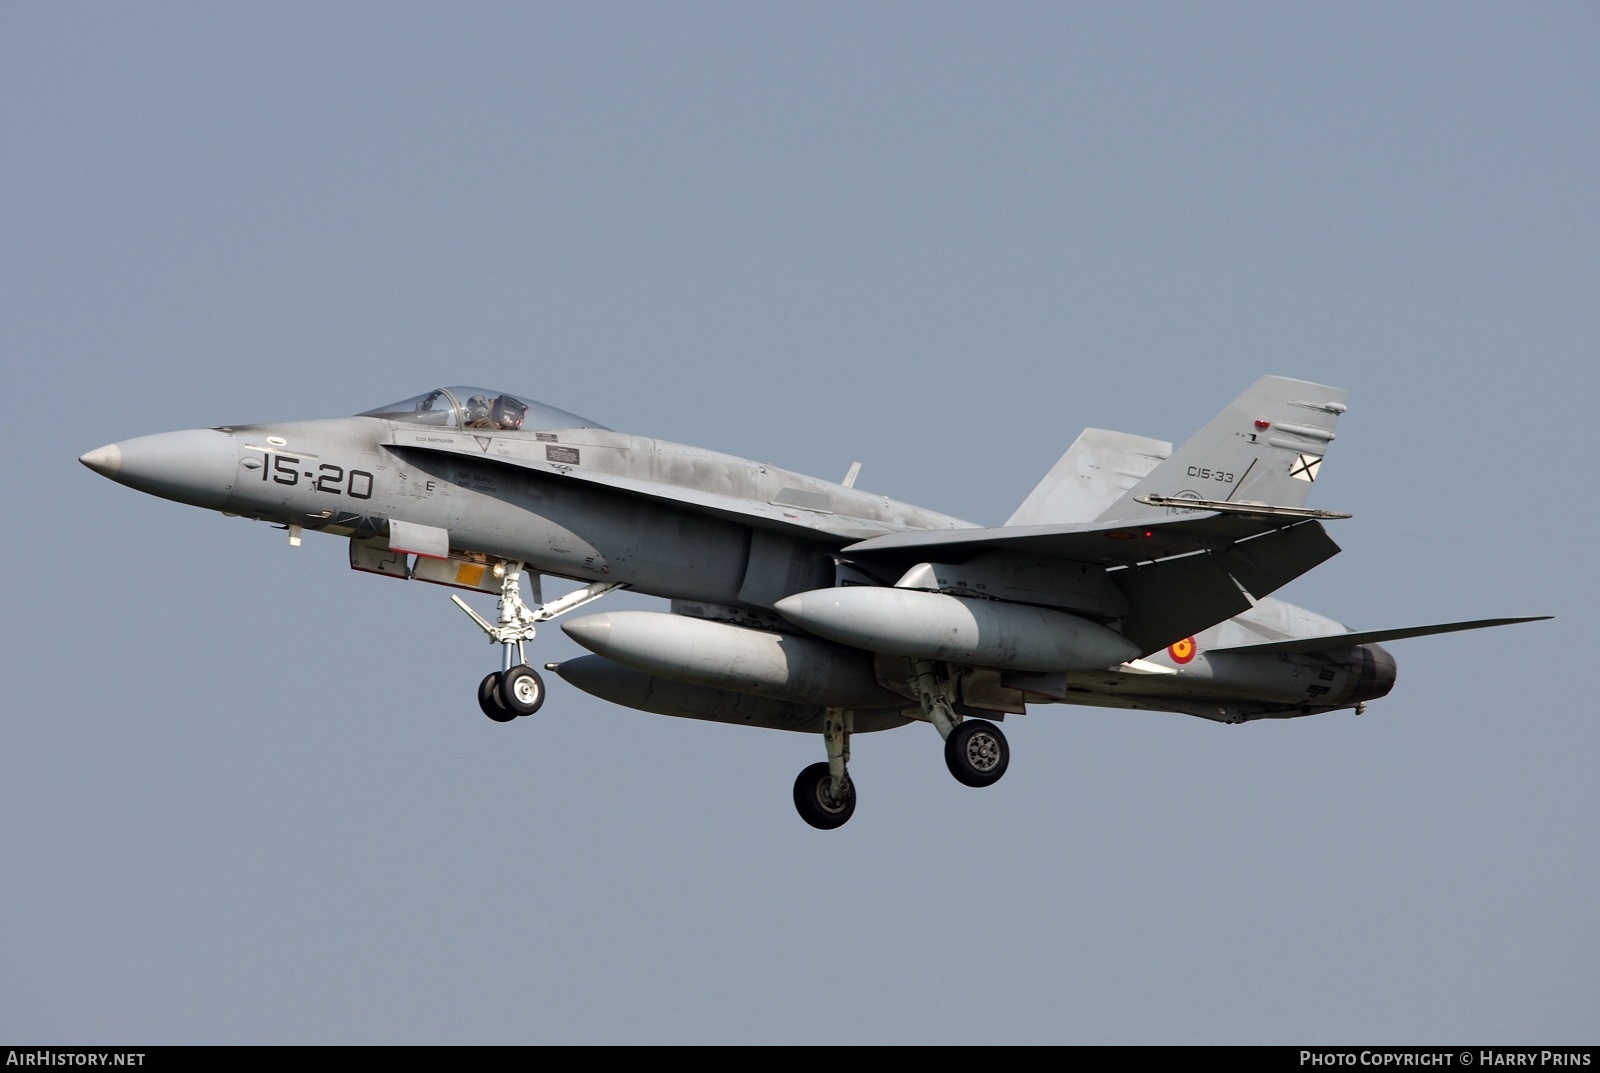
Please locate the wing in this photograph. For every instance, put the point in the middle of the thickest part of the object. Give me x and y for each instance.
(1108, 544)
(1179, 576)
(1366, 637)
(702, 481)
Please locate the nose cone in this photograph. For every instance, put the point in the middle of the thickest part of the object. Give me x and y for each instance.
(106, 461)
(197, 466)
(809, 609)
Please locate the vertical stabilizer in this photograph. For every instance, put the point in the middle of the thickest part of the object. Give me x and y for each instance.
(1097, 470)
(1266, 447)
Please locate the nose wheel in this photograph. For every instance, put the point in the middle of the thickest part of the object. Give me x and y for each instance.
(521, 689)
(489, 699)
(517, 689)
(504, 695)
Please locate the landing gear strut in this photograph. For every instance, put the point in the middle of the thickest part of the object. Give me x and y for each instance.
(974, 749)
(516, 689)
(823, 793)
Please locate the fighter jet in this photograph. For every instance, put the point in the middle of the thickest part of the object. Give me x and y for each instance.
(1133, 576)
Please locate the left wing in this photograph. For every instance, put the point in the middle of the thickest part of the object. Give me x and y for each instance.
(703, 481)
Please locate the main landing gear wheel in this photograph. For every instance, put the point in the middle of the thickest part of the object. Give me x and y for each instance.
(976, 753)
(521, 690)
(814, 800)
(489, 700)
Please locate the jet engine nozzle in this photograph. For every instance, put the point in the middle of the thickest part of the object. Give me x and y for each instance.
(1376, 673)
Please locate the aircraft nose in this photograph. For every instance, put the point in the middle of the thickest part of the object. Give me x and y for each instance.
(197, 466)
(105, 461)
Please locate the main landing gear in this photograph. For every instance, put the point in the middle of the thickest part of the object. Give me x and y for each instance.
(516, 689)
(975, 751)
(823, 794)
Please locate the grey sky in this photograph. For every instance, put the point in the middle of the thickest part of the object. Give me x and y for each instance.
(246, 795)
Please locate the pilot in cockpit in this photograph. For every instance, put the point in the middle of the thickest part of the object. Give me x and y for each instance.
(503, 412)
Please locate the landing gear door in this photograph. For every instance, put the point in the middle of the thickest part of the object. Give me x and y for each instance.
(374, 555)
(460, 570)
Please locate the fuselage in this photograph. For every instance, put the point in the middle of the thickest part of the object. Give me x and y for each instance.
(350, 476)
(575, 500)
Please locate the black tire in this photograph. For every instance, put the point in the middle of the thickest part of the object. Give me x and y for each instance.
(976, 753)
(816, 805)
(521, 690)
(489, 700)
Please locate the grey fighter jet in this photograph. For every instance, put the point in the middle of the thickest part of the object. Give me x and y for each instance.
(1133, 576)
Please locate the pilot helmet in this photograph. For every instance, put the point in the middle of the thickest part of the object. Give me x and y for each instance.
(477, 409)
(509, 412)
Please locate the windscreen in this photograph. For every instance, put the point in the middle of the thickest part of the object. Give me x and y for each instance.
(476, 407)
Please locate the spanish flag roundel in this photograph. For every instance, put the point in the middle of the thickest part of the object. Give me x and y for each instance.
(1182, 651)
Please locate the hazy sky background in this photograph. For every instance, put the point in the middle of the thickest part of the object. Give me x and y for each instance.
(246, 794)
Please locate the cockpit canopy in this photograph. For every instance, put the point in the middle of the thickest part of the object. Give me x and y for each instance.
(476, 407)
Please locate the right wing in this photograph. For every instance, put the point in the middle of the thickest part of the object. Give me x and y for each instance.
(1366, 637)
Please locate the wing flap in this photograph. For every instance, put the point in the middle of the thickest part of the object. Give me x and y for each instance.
(1103, 543)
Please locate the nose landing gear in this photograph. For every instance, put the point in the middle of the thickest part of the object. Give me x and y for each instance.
(489, 699)
(504, 695)
(516, 689)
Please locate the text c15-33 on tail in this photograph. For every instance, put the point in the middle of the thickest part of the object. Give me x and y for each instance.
(1133, 576)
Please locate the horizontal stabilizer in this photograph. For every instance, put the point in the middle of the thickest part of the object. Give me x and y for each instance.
(1176, 598)
(1366, 637)
(1267, 563)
